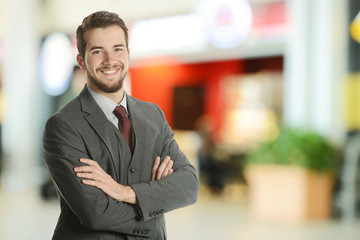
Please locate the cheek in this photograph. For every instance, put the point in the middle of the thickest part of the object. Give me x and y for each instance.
(125, 61)
(91, 65)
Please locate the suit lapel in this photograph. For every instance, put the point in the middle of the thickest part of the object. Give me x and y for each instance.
(139, 125)
(101, 125)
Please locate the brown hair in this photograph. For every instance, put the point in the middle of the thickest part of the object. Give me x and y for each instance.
(101, 19)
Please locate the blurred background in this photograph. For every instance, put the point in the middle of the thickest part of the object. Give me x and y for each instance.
(263, 96)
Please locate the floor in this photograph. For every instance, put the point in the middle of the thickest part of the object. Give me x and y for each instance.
(28, 217)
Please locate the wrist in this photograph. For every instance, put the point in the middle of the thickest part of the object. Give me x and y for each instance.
(129, 195)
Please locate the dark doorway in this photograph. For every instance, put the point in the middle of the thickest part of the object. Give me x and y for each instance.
(188, 106)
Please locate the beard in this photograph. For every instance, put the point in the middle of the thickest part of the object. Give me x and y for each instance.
(116, 86)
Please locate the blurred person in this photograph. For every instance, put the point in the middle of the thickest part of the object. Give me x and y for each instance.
(113, 184)
(214, 169)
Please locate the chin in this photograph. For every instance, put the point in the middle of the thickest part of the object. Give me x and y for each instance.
(105, 86)
(112, 88)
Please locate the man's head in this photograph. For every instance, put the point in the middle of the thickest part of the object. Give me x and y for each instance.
(102, 41)
(101, 19)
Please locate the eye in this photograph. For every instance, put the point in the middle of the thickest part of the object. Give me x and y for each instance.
(96, 52)
(119, 49)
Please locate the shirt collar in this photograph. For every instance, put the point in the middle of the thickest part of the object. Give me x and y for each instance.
(106, 104)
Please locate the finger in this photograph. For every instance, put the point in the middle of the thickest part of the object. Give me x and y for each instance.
(92, 176)
(170, 172)
(86, 175)
(167, 169)
(94, 171)
(89, 169)
(93, 183)
(170, 164)
(89, 182)
(155, 167)
(92, 166)
(89, 162)
(162, 167)
(93, 180)
(84, 169)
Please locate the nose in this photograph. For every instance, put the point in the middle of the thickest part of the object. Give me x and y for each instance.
(108, 57)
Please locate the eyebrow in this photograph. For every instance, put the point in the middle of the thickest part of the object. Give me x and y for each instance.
(98, 47)
(95, 47)
(119, 45)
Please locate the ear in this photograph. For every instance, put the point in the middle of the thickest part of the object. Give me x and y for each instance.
(81, 62)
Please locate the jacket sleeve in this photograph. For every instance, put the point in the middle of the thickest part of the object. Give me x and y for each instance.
(177, 190)
(63, 147)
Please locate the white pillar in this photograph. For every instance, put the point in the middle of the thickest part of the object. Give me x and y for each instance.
(20, 91)
(315, 66)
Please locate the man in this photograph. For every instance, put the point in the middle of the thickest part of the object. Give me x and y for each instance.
(113, 184)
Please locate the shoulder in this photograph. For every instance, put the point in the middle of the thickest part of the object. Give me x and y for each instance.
(73, 108)
(68, 115)
(63, 130)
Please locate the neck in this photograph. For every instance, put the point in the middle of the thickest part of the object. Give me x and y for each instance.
(116, 97)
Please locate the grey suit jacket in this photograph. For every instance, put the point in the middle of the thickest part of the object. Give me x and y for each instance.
(81, 130)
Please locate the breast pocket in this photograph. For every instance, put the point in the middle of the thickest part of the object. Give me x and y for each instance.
(154, 142)
(154, 147)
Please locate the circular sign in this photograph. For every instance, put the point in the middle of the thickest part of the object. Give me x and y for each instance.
(56, 63)
(226, 23)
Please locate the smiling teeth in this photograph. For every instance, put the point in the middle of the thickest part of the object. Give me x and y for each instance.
(109, 71)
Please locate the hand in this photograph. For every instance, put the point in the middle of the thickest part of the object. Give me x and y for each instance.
(94, 175)
(162, 170)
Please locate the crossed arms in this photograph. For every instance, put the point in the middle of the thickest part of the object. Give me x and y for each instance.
(92, 194)
(93, 175)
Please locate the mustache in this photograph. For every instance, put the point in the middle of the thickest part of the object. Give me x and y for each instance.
(108, 66)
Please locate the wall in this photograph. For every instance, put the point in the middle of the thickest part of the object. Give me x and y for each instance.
(155, 84)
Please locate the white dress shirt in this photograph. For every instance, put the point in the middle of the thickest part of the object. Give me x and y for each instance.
(107, 105)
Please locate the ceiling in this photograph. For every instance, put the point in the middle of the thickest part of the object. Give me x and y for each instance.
(66, 15)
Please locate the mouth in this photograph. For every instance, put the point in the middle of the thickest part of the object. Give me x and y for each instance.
(110, 71)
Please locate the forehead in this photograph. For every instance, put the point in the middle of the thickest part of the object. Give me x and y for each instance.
(103, 37)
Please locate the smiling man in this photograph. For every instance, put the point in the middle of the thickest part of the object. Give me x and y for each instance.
(107, 59)
(112, 157)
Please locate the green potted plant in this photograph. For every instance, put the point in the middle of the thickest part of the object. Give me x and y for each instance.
(291, 177)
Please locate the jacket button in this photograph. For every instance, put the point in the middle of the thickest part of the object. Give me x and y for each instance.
(131, 170)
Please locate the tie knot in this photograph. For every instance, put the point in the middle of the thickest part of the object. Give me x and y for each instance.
(120, 111)
(124, 124)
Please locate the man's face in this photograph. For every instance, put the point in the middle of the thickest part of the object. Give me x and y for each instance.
(106, 59)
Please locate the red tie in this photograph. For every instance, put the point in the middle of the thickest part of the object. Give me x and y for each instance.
(124, 124)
